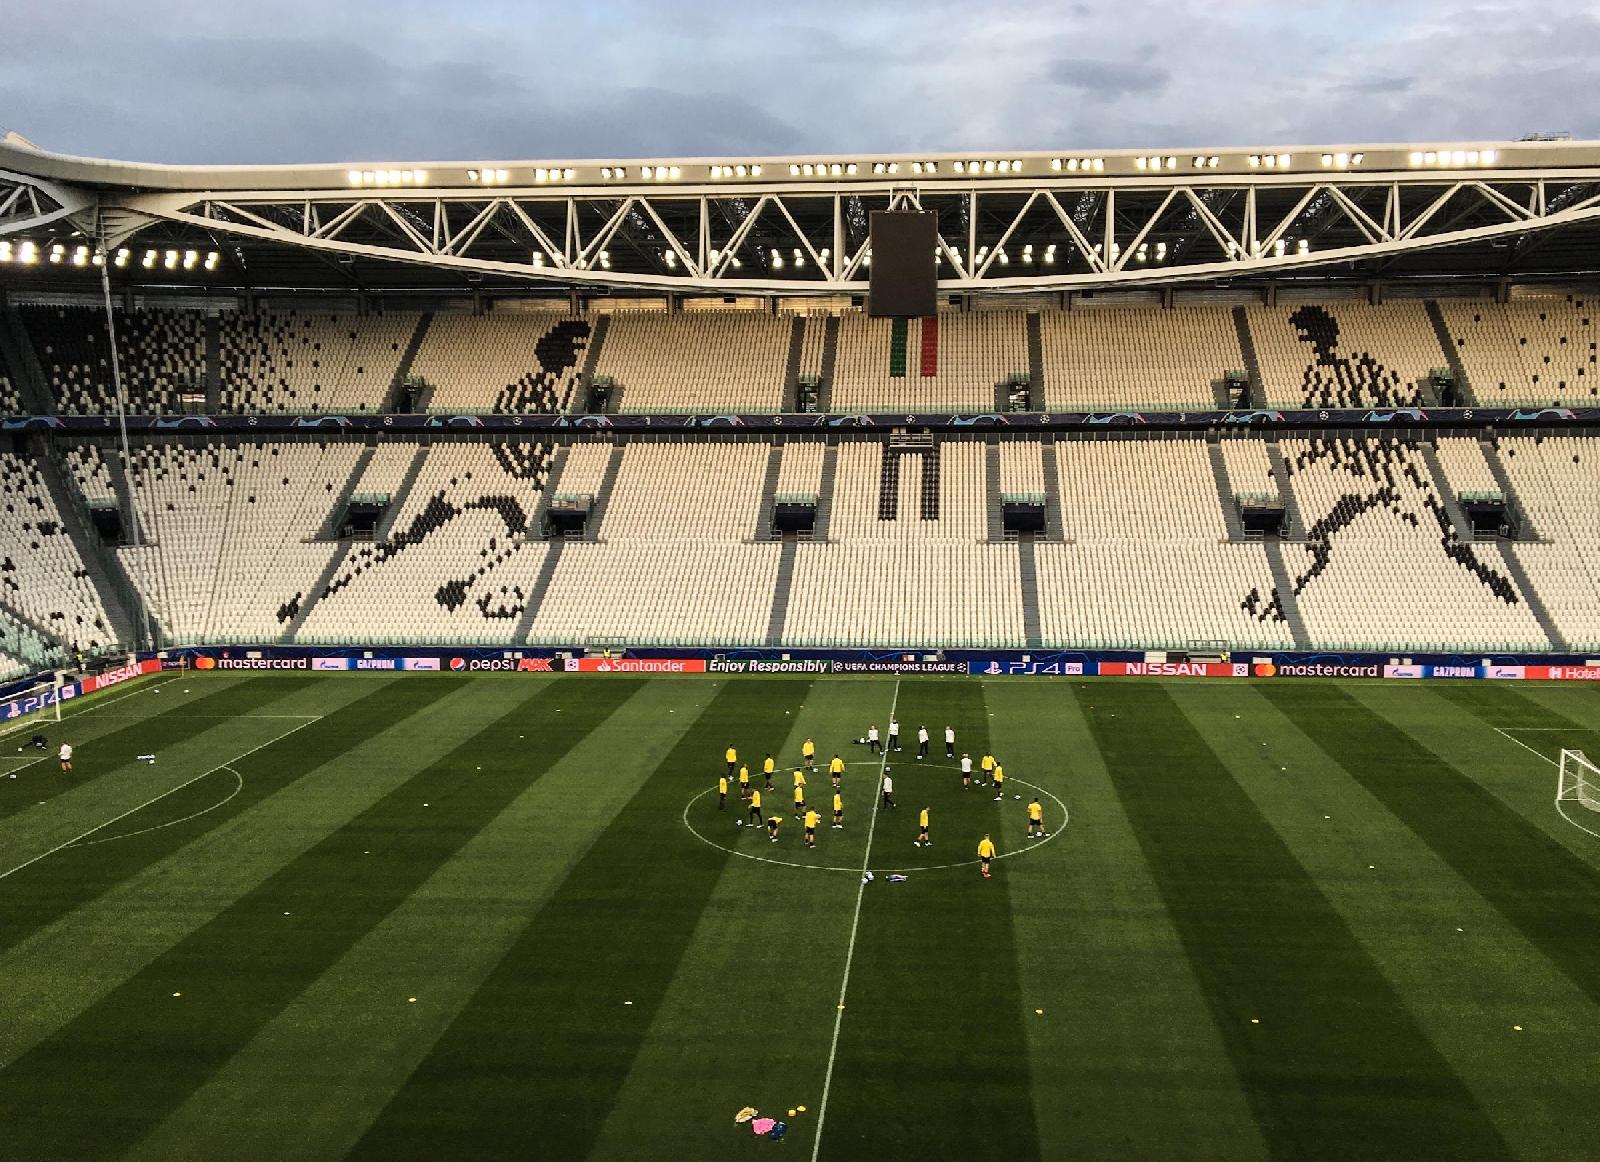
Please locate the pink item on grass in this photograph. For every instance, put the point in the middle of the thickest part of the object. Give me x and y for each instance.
(763, 1126)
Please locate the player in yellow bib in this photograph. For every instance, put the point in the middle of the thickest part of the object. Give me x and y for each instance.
(799, 778)
(744, 782)
(1036, 819)
(999, 782)
(772, 828)
(767, 767)
(811, 828)
(987, 767)
(838, 810)
(985, 854)
(755, 807)
(808, 751)
(836, 769)
(722, 793)
(799, 800)
(733, 759)
(922, 833)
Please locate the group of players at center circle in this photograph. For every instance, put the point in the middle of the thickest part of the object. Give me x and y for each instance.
(990, 774)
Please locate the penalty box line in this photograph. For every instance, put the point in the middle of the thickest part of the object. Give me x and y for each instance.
(157, 798)
(850, 948)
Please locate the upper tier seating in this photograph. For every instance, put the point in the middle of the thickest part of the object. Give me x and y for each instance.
(1384, 564)
(877, 371)
(1117, 358)
(1344, 354)
(452, 565)
(43, 581)
(696, 362)
(229, 528)
(506, 362)
(303, 361)
(10, 397)
(162, 355)
(1534, 352)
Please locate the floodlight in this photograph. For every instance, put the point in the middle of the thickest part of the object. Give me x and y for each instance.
(28, 252)
(755, 171)
(190, 260)
(212, 258)
(149, 259)
(354, 177)
(56, 252)
(5, 250)
(472, 175)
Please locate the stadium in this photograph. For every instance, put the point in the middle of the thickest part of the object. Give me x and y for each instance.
(419, 572)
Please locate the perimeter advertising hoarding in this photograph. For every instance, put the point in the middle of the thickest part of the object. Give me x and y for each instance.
(107, 678)
(1175, 669)
(764, 666)
(636, 666)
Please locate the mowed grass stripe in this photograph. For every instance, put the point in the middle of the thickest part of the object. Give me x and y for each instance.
(534, 1062)
(361, 753)
(1549, 894)
(104, 746)
(933, 1023)
(438, 945)
(1337, 1066)
(43, 892)
(712, 1051)
(141, 1051)
(1126, 1059)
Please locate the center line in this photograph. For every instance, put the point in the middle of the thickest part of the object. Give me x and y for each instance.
(850, 949)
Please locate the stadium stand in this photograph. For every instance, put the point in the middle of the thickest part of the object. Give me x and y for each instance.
(1346, 354)
(1382, 562)
(44, 584)
(229, 528)
(1537, 351)
(10, 397)
(1149, 566)
(1556, 480)
(299, 361)
(956, 362)
(1099, 358)
(703, 361)
(509, 361)
(162, 356)
(453, 565)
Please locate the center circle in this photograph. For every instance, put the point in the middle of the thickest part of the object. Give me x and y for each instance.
(857, 869)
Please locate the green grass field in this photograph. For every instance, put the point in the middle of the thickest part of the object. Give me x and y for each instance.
(455, 917)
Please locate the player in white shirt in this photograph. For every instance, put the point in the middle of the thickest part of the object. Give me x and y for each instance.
(949, 742)
(66, 756)
(894, 734)
(873, 745)
(922, 742)
(966, 771)
(888, 790)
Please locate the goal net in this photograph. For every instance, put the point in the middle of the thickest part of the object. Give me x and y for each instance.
(31, 705)
(1580, 780)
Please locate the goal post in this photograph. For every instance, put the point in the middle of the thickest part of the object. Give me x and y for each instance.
(1579, 780)
(41, 701)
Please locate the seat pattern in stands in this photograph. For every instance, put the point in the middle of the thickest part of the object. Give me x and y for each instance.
(697, 362)
(506, 362)
(302, 361)
(1528, 352)
(43, 580)
(1121, 358)
(162, 356)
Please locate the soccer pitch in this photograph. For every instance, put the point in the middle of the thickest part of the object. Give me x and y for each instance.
(397, 916)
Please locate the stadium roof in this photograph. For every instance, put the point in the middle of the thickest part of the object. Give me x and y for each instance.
(1009, 223)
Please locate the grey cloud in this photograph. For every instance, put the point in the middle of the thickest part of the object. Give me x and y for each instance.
(1110, 79)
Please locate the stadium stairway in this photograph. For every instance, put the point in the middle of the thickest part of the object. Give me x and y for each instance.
(1247, 347)
(769, 493)
(791, 367)
(1226, 497)
(213, 380)
(1035, 363)
(602, 496)
(1447, 494)
(1287, 600)
(1291, 506)
(1054, 525)
(391, 401)
(17, 354)
(994, 501)
(1536, 606)
(398, 500)
(830, 473)
(591, 360)
(541, 586)
(1524, 523)
(336, 556)
(1028, 575)
(1452, 354)
(117, 592)
(830, 359)
(534, 530)
(780, 593)
(330, 524)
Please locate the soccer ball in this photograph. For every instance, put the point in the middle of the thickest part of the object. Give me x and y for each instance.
(738, 822)
(1016, 796)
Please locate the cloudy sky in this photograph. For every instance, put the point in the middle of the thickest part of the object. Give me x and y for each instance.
(347, 80)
